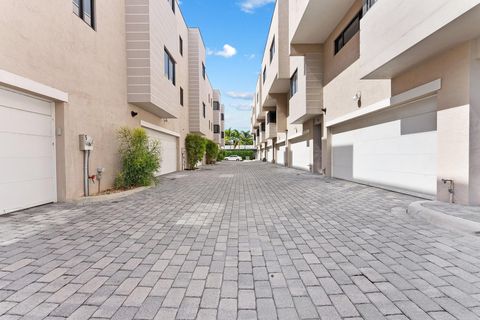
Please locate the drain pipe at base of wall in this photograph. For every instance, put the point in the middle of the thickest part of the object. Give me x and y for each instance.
(451, 189)
(86, 145)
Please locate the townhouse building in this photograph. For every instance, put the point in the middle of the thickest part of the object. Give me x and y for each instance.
(218, 119)
(91, 67)
(383, 93)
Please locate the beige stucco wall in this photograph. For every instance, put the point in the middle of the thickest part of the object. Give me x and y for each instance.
(200, 89)
(90, 65)
(453, 117)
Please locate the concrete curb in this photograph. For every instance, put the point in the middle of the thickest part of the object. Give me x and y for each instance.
(109, 197)
(443, 220)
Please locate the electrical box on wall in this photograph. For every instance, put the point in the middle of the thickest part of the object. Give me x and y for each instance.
(86, 142)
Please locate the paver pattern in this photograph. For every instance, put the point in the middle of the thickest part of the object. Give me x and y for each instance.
(237, 241)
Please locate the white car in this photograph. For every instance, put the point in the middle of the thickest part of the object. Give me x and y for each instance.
(233, 158)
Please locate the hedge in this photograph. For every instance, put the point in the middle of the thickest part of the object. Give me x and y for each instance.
(242, 153)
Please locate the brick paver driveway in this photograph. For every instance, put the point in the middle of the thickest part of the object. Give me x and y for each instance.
(246, 240)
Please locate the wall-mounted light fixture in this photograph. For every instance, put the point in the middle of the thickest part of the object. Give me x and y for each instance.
(134, 114)
(358, 98)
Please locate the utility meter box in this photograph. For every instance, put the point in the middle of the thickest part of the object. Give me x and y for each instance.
(86, 142)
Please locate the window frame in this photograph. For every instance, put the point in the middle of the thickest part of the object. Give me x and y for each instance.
(204, 110)
(181, 97)
(216, 128)
(222, 116)
(272, 50)
(81, 12)
(216, 105)
(294, 83)
(341, 40)
(169, 61)
(271, 118)
(204, 71)
(264, 74)
(172, 5)
(180, 39)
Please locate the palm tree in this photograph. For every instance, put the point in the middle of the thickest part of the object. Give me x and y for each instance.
(246, 138)
(232, 137)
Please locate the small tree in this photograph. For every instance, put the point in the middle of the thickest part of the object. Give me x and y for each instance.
(195, 148)
(211, 150)
(140, 158)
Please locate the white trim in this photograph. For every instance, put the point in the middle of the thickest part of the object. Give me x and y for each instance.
(12, 80)
(402, 98)
(54, 142)
(159, 129)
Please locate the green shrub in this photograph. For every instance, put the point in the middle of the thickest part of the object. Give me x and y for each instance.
(211, 151)
(140, 158)
(195, 147)
(242, 153)
(220, 156)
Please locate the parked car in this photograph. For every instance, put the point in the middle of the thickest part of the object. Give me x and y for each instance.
(233, 158)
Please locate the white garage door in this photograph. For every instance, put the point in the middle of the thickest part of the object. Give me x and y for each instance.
(270, 154)
(27, 152)
(300, 153)
(396, 150)
(281, 155)
(169, 150)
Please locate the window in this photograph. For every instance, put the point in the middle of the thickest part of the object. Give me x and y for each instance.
(349, 32)
(272, 117)
(172, 3)
(181, 96)
(181, 45)
(294, 83)
(204, 110)
(222, 117)
(204, 71)
(262, 126)
(223, 135)
(264, 74)
(272, 50)
(216, 128)
(85, 9)
(169, 67)
(367, 4)
(216, 105)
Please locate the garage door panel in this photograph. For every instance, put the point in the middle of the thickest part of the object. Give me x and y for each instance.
(21, 146)
(168, 150)
(23, 122)
(281, 155)
(401, 163)
(300, 153)
(15, 100)
(31, 169)
(13, 196)
(388, 155)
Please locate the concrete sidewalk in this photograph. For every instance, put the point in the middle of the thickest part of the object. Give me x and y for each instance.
(449, 216)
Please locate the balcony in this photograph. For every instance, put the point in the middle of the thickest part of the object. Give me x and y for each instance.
(312, 21)
(275, 73)
(307, 102)
(412, 31)
(148, 27)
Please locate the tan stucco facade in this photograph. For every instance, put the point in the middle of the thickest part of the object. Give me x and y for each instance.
(107, 72)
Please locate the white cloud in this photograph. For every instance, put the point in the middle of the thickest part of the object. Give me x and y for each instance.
(241, 95)
(242, 107)
(249, 6)
(227, 52)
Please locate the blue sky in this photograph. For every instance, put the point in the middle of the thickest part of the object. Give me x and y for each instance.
(234, 32)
